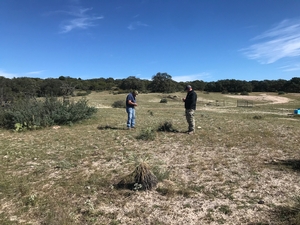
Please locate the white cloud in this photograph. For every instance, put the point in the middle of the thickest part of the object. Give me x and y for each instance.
(7, 75)
(80, 19)
(35, 72)
(135, 25)
(191, 77)
(290, 68)
(282, 41)
(12, 75)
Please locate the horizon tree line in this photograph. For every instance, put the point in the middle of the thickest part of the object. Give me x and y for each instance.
(161, 83)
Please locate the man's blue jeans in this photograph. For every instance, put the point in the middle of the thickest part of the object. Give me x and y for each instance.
(131, 117)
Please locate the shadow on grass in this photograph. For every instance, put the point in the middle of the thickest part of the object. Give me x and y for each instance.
(288, 215)
(292, 164)
(108, 127)
(283, 214)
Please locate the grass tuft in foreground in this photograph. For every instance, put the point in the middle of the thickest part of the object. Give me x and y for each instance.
(140, 179)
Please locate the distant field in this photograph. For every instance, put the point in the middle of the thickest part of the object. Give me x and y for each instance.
(240, 167)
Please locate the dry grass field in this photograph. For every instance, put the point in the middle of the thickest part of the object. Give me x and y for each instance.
(240, 167)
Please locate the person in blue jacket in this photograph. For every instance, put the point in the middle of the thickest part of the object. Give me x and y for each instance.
(130, 109)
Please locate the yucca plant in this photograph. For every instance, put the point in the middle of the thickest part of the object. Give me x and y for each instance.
(140, 179)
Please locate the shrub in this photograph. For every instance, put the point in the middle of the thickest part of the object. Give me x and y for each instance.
(32, 114)
(119, 104)
(224, 92)
(281, 93)
(164, 100)
(140, 179)
(161, 174)
(83, 93)
(147, 134)
(244, 93)
(167, 127)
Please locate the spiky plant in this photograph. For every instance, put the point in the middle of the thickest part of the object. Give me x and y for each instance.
(140, 179)
(144, 176)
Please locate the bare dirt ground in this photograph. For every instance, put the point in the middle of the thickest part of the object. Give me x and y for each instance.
(263, 98)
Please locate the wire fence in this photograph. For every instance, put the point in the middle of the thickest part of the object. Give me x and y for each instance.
(244, 103)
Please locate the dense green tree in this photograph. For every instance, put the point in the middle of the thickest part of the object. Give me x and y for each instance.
(6, 92)
(276, 85)
(24, 86)
(132, 83)
(293, 85)
(210, 86)
(162, 82)
(198, 85)
(51, 87)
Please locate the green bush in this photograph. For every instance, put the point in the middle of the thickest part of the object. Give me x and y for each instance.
(244, 93)
(161, 174)
(167, 127)
(281, 93)
(83, 93)
(119, 104)
(32, 114)
(224, 92)
(147, 134)
(164, 100)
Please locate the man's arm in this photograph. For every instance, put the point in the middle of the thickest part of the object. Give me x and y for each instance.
(132, 103)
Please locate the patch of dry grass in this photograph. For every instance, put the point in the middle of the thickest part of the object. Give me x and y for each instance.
(240, 166)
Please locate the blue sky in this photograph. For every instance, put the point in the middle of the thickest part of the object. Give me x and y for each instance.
(190, 40)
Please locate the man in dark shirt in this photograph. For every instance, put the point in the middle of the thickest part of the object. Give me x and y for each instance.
(130, 104)
(190, 106)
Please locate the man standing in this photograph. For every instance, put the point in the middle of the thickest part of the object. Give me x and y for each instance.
(130, 104)
(190, 106)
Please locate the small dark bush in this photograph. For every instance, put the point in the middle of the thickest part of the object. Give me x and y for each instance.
(119, 104)
(244, 93)
(164, 100)
(167, 127)
(224, 92)
(281, 93)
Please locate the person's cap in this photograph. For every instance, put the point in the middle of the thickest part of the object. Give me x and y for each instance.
(135, 92)
(187, 87)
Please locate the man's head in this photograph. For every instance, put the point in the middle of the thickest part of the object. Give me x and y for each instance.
(188, 88)
(135, 92)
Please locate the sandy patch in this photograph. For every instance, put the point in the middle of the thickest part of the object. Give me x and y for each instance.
(270, 99)
(100, 106)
